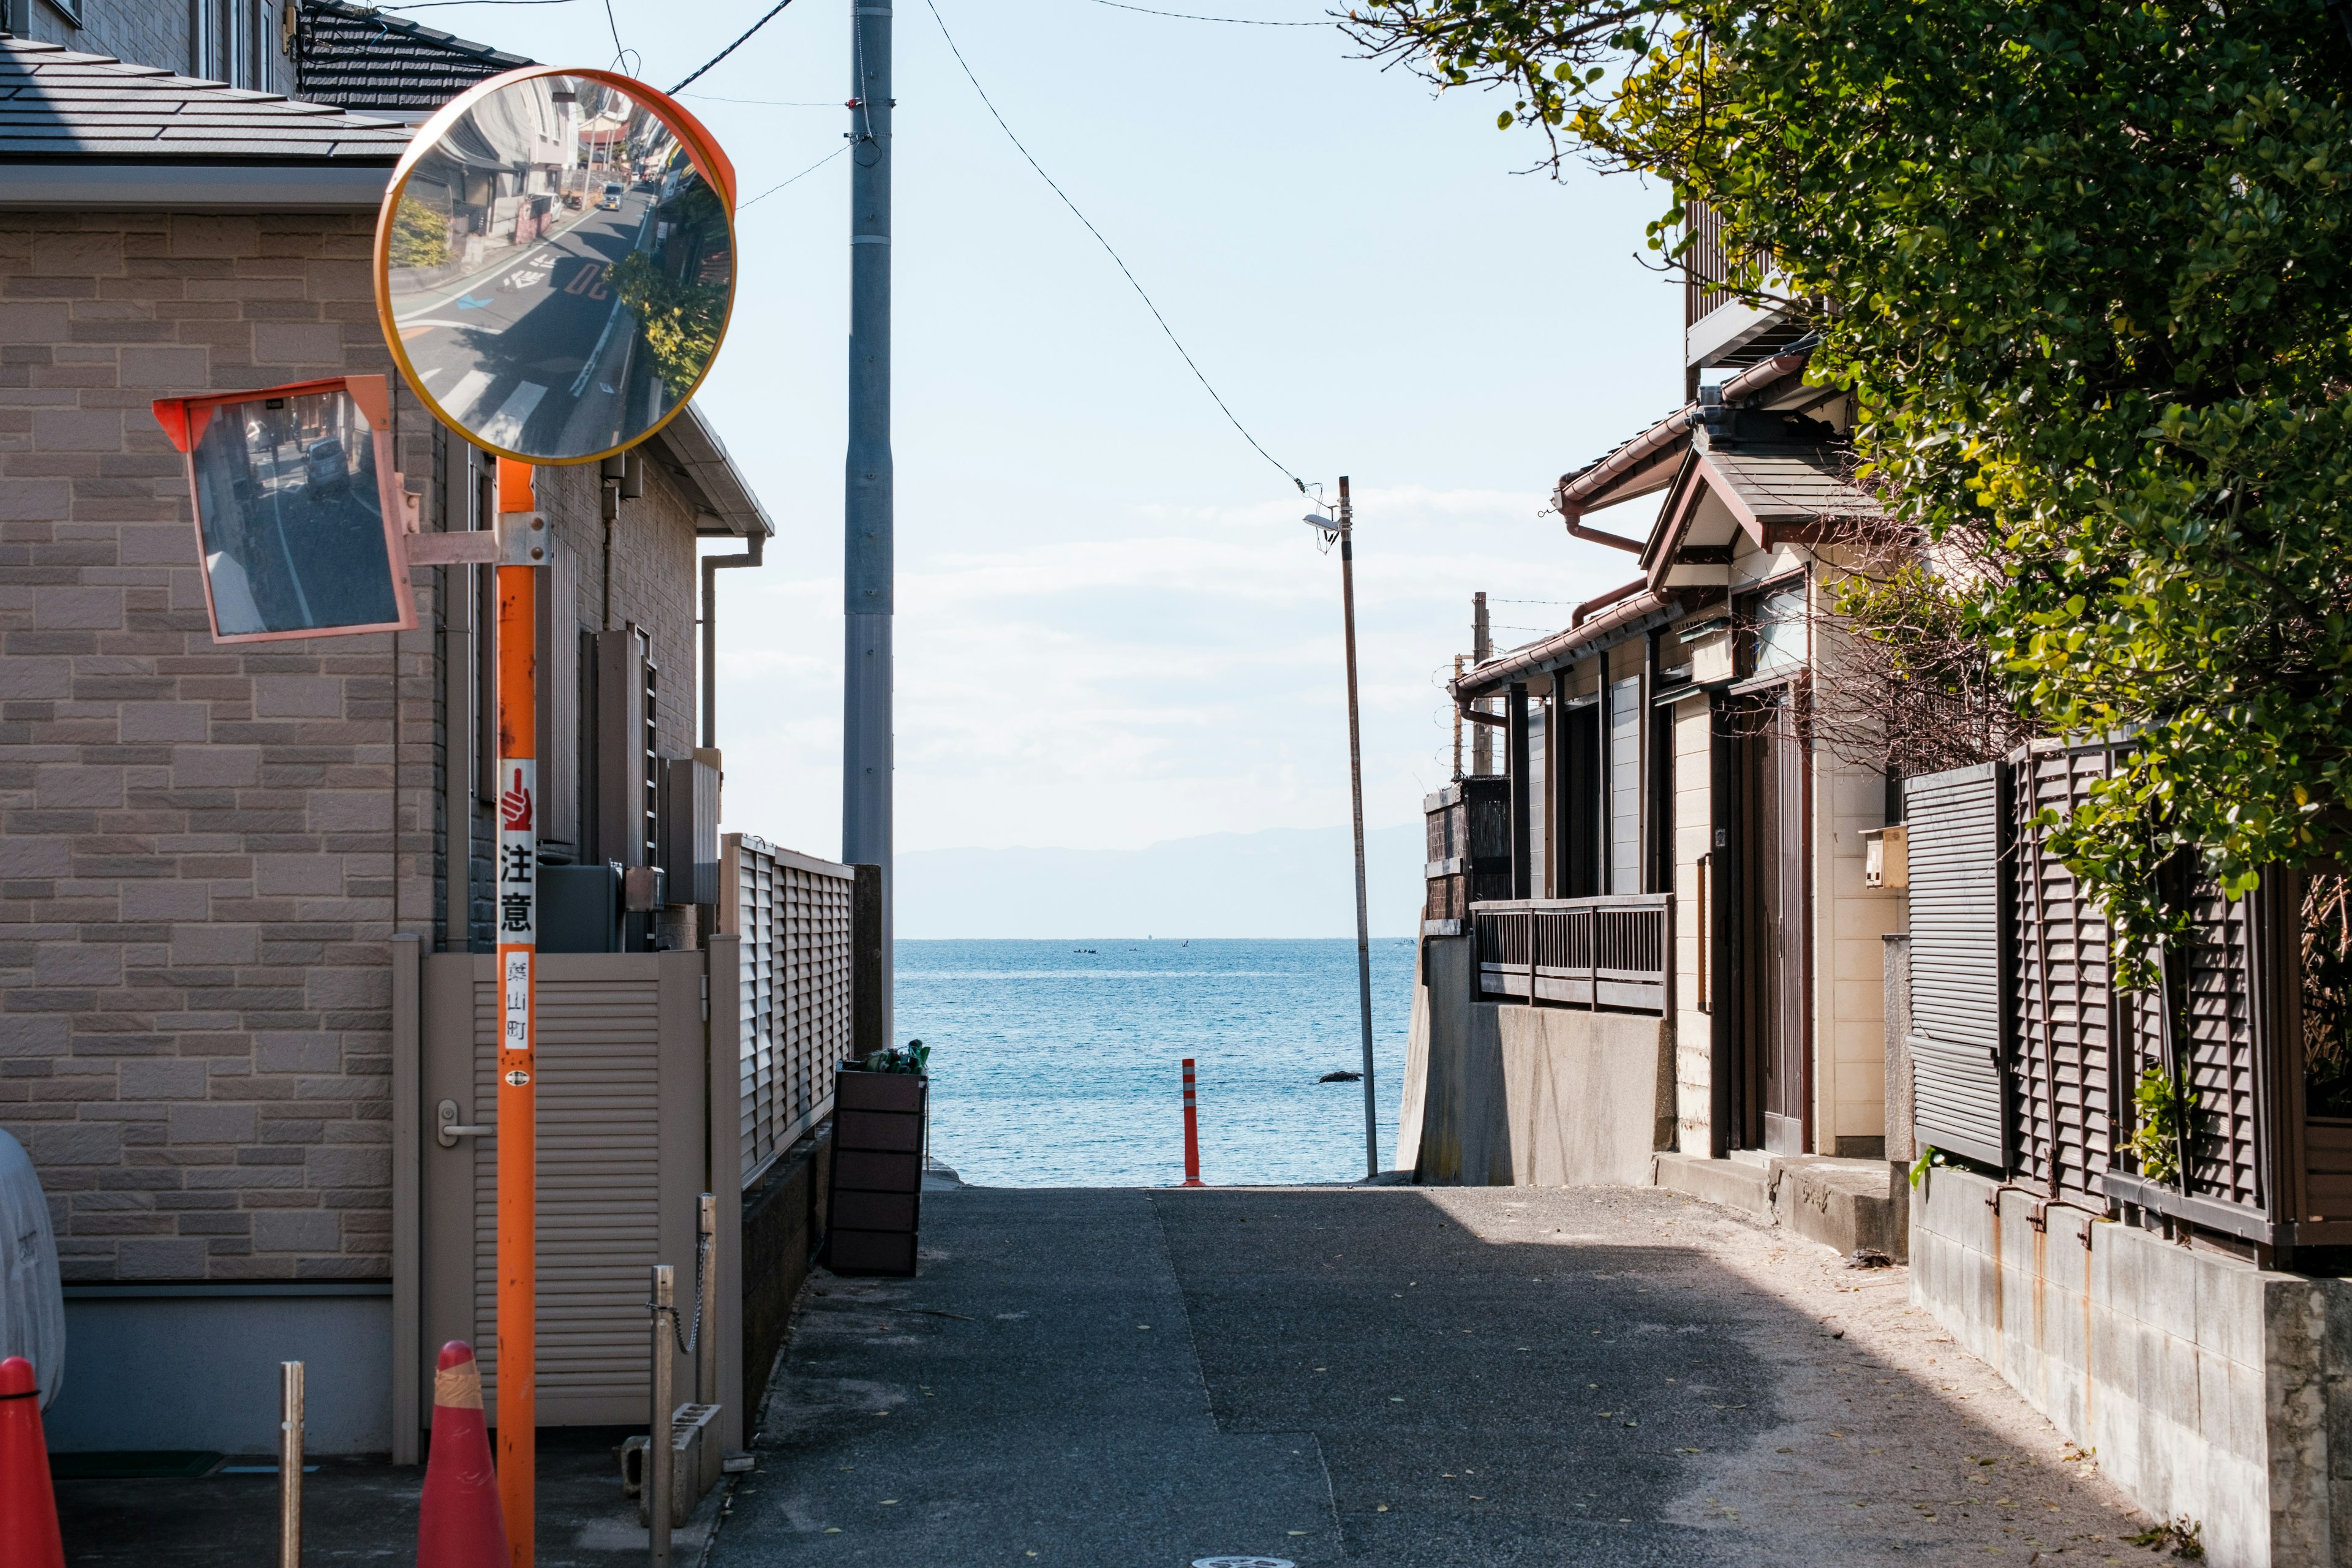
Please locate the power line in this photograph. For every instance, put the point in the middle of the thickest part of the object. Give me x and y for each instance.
(1106, 244)
(730, 48)
(1189, 17)
(712, 97)
(812, 169)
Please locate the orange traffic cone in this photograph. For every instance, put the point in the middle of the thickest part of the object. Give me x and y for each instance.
(28, 1506)
(459, 1524)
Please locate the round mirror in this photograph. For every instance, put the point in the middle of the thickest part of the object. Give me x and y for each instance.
(555, 263)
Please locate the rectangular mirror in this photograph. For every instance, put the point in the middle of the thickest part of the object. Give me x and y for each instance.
(298, 514)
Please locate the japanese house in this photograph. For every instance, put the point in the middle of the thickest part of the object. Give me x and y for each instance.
(248, 887)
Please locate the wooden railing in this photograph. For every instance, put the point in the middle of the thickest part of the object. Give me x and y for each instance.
(1580, 953)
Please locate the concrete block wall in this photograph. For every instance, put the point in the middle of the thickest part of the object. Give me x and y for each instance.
(1543, 1097)
(2206, 1386)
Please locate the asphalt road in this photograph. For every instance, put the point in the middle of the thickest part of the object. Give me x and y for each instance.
(1463, 1378)
(533, 352)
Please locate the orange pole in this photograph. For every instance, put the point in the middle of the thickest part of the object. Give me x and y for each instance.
(1191, 1131)
(518, 1124)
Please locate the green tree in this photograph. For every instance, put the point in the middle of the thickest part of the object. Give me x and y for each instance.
(2086, 267)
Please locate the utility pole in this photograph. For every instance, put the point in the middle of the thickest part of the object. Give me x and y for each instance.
(868, 566)
(1356, 789)
(1482, 648)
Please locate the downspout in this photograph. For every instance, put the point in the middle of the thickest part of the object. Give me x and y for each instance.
(710, 567)
(1576, 616)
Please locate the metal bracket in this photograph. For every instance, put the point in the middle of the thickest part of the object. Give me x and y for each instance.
(523, 539)
(448, 1131)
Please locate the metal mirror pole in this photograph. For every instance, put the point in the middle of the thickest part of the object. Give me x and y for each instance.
(868, 509)
(523, 551)
(1356, 790)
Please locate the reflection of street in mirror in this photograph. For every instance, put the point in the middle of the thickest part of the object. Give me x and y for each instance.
(559, 270)
(291, 516)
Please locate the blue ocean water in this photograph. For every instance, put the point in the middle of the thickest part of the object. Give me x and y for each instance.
(1059, 1063)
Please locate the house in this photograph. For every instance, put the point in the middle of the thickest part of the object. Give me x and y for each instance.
(246, 887)
(1684, 976)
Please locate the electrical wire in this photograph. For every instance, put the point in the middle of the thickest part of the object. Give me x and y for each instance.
(1106, 244)
(1189, 17)
(812, 169)
(714, 98)
(730, 48)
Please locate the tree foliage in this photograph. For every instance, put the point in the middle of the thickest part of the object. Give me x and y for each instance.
(2086, 270)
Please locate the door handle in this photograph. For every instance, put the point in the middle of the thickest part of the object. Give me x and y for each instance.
(446, 1129)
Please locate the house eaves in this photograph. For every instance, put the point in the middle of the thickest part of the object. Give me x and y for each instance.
(90, 131)
(1632, 468)
(1630, 617)
(725, 504)
(1777, 493)
(360, 58)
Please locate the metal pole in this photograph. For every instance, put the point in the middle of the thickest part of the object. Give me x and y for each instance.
(658, 1440)
(518, 935)
(1191, 1131)
(289, 1464)
(868, 600)
(1356, 790)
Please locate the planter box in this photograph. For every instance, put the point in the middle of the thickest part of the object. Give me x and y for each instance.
(877, 1172)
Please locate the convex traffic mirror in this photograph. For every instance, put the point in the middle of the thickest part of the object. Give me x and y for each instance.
(299, 517)
(555, 263)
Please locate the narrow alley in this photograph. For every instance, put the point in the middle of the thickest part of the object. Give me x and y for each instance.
(1391, 1376)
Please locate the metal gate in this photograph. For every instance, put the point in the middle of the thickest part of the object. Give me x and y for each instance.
(622, 1158)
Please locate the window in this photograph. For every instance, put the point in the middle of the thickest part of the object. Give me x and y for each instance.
(1626, 786)
(1778, 639)
(1538, 794)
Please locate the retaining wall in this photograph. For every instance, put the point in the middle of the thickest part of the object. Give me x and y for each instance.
(2207, 1387)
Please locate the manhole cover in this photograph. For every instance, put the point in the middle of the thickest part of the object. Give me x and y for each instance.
(1243, 1562)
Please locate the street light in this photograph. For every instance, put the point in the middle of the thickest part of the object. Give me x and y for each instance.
(1342, 527)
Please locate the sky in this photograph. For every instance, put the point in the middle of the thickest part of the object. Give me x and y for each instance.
(1112, 628)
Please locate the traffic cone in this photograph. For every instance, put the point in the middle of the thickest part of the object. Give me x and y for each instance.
(28, 1505)
(459, 1524)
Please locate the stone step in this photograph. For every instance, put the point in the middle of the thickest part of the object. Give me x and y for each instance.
(1848, 1204)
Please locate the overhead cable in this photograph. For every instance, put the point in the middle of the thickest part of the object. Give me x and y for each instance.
(1189, 17)
(1114, 255)
(812, 169)
(730, 48)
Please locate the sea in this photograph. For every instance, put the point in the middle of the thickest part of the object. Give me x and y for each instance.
(1060, 1063)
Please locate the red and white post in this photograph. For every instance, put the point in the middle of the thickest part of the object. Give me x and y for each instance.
(1191, 1131)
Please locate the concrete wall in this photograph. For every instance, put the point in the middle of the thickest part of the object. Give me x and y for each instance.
(198, 1369)
(2208, 1387)
(1539, 1096)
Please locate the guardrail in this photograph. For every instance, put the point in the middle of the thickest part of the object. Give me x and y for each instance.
(1616, 952)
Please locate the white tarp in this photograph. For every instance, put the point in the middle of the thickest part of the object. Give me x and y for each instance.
(32, 1301)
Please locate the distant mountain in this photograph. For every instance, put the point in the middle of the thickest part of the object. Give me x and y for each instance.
(1282, 882)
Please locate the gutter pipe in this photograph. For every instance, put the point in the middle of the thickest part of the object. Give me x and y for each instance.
(711, 566)
(1574, 489)
(1757, 377)
(1601, 601)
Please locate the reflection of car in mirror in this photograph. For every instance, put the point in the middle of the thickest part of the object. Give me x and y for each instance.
(326, 472)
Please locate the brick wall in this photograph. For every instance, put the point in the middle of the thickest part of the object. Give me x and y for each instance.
(200, 851)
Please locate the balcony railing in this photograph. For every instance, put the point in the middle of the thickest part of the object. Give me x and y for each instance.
(1579, 953)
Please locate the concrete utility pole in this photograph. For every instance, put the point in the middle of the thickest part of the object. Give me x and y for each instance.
(867, 567)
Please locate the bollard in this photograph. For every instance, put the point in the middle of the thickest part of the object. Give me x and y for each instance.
(658, 1442)
(1191, 1131)
(289, 1465)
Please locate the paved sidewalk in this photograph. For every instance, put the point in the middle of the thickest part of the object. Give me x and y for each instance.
(1408, 1378)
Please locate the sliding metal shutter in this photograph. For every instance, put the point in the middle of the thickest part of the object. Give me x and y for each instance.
(1955, 823)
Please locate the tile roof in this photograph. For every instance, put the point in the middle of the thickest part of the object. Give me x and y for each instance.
(353, 57)
(58, 106)
(1792, 484)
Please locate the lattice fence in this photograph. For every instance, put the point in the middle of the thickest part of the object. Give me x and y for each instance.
(794, 913)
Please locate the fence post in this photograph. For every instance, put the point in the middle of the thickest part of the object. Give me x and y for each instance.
(725, 956)
(289, 1464)
(866, 998)
(659, 1438)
